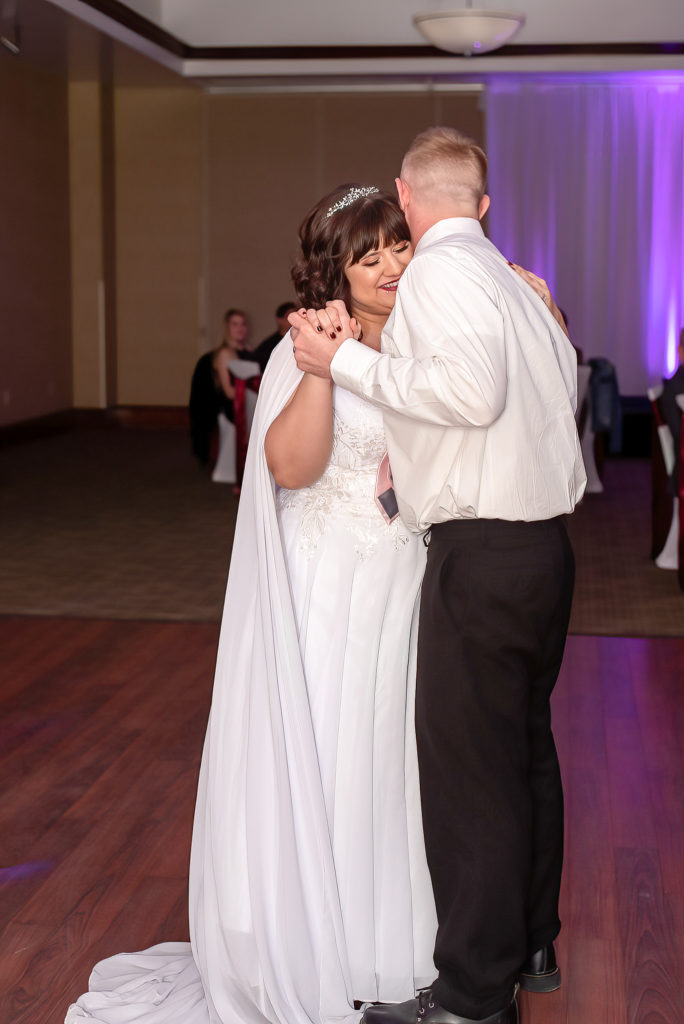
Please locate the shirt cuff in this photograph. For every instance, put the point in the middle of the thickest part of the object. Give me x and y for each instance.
(350, 363)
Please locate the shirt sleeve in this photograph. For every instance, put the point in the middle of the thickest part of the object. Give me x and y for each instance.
(452, 320)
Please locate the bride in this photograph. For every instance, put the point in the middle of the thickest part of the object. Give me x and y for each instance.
(309, 889)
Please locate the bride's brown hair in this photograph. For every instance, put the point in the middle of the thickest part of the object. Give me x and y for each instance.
(330, 242)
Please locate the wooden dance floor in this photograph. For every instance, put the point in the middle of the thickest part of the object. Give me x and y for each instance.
(102, 726)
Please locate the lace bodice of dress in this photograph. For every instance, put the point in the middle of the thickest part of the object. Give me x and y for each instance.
(346, 491)
(358, 435)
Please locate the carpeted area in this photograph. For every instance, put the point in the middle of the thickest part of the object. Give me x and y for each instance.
(113, 523)
(619, 591)
(121, 523)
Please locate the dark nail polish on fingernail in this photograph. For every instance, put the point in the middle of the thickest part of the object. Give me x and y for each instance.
(319, 328)
(332, 334)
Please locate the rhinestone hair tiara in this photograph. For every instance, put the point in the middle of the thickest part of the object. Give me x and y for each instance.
(350, 197)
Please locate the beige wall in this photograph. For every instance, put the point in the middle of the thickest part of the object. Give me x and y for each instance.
(87, 265)
(35, 347)
(260, 179)
(270, 158)
(136, 157)
(137, 209)
(209, 194)
(158, 228)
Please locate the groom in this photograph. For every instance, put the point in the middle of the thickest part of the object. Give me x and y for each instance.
(477, 384)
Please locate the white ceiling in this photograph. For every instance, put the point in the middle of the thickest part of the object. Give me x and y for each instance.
(386, 22)
(310, 23)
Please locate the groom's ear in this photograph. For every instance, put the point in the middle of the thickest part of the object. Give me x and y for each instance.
(483, 207)
(402, 193)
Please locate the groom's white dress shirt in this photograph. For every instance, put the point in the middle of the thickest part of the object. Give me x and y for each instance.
(477, 383)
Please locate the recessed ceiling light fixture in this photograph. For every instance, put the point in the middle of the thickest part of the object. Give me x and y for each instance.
(469, 30)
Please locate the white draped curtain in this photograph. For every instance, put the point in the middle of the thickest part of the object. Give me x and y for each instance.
(587, 186)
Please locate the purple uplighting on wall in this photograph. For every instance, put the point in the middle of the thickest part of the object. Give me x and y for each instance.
(587, 184)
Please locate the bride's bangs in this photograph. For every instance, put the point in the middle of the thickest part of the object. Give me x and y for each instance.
(381, 223)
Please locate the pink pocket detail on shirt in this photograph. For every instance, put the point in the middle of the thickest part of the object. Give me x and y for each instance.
(385, 498)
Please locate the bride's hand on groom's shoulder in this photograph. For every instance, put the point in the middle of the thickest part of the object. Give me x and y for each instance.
(539, 285)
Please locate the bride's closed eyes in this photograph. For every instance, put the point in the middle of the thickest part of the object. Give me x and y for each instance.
(373, 258)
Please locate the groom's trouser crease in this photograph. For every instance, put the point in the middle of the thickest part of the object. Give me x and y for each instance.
(495, 606)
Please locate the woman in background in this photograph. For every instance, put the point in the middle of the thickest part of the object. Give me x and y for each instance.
(212, 389)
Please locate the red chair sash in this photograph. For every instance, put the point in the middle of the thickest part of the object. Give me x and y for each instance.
(655, 405)
(240, 413)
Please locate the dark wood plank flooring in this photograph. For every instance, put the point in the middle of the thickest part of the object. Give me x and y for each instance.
(102, 726)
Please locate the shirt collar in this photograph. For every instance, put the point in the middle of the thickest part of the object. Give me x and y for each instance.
(451, 226)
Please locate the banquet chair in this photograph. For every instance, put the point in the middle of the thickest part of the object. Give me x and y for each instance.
(680, 497)
(225, 467)
(233, 437)
(587, 436)
(665, 508)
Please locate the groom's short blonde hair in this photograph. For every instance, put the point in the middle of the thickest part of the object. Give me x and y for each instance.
(443, 163)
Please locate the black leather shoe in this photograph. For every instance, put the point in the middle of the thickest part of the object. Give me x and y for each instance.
(424, 1010)
(541, 973)
(391, 1013)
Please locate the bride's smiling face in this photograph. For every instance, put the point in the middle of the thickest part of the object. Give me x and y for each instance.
(374, 278)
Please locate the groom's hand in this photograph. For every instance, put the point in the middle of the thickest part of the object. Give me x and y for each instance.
(317, 335)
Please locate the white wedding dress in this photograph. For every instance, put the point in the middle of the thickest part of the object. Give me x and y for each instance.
(309, 889)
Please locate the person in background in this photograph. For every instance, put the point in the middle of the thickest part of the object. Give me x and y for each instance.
(262, 352)
(672, 413)
(212, 389)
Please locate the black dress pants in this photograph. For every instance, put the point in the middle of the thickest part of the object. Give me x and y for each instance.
(495, 606)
